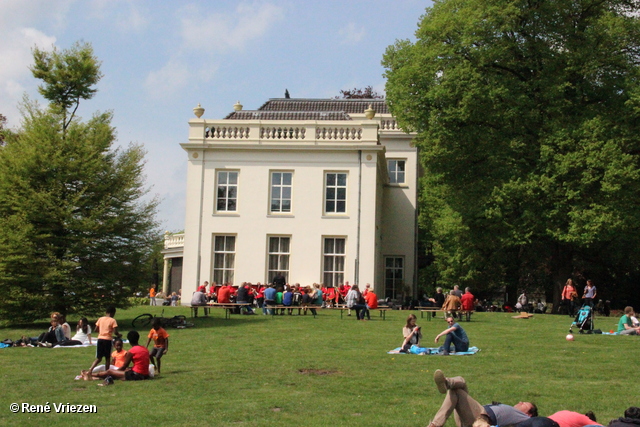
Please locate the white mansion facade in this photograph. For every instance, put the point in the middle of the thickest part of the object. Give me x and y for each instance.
(319, 190)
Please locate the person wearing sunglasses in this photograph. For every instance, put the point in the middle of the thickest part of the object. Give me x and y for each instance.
(454, 335)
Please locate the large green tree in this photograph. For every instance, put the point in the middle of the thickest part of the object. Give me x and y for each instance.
(76, 233)
(527, 120)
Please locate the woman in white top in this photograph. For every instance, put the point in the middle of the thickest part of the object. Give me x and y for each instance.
(83, 332)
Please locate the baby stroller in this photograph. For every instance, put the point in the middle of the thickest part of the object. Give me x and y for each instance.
(584, 320)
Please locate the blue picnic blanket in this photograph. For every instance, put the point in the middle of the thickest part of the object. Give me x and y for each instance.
(433, 351)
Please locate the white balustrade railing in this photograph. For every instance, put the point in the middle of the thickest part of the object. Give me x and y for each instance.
(342, 133)
(302, 131)
(173, 240)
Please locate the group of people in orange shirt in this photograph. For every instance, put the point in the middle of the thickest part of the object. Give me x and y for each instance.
(117, 362)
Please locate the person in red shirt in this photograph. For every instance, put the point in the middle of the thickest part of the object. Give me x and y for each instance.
(468, 301)
(372, 301)
(224, 294)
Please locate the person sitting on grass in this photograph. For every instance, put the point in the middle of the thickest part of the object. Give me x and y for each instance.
(412, 334)
(106, 327)
(54, 334)
(137, 355)
(83, 332)
(160, 343)
(625, 325)
(455, 335)
(468, 409)
(118, 357)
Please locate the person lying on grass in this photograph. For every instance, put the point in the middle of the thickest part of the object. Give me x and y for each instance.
(631, 418)
(468, 409)
(137, 355)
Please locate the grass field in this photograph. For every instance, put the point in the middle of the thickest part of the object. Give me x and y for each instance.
(327, 371)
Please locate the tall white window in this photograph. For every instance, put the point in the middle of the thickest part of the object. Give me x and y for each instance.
(227, 191)
(281, 192)
(334, 260)
(393, 276)
(224, 257)
(279, 248)
(335, 196)
(396, 171)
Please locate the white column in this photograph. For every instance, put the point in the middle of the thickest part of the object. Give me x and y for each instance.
(165, 277)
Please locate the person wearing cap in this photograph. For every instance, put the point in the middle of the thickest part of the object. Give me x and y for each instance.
(468, 409)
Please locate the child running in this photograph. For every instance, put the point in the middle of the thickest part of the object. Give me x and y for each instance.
(160, 343)
(106, 327)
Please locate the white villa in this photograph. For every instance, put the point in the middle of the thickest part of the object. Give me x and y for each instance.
(320, 190)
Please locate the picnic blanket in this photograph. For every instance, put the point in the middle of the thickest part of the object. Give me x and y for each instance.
(429, 351)
(93, 344)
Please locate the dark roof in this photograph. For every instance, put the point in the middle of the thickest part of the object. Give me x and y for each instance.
(346, 105)
(287, 115)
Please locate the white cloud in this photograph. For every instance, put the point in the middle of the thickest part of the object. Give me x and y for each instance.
(220, 32)
(210, 33)
(168, 80)
(125, 15)
(15, 76)
(352, 33)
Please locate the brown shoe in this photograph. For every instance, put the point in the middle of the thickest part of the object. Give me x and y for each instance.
(441, 381)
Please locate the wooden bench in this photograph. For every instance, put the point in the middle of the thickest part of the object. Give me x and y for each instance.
(194, 310)
(227, 307)
(381, 310)
(275, 308)
(423, 310)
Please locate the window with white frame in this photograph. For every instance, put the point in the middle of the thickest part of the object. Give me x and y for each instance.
(279, 251)
(334, 254)
(393, 276)
(396, 171)
(281, 183)
(335, 196)
(224, 257)
(227, 191)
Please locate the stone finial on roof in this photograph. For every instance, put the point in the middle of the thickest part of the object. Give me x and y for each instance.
(370, 113)
(237, 106)
(198, 111)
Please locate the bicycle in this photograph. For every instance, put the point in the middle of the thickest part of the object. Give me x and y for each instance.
(178, 322)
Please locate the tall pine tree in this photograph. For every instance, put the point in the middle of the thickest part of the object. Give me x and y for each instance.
(76, 232)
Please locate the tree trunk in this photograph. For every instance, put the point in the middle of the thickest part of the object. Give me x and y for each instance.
(561, 269)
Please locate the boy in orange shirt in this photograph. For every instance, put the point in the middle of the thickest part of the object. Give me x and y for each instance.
(106, 327)
(160, 343)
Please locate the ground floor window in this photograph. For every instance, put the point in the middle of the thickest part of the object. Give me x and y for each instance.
(279, 251)
(393, 276)
(333, 261)
(224, 256)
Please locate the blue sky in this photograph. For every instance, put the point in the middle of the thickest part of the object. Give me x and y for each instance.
(161, 58)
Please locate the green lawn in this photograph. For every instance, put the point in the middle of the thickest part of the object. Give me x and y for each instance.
(290, 370)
